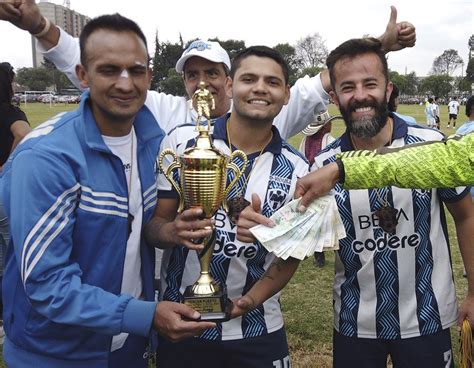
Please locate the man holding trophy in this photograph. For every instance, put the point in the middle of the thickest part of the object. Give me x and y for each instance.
(259, 88)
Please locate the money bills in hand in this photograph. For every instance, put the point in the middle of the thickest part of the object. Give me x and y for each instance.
(299, 235)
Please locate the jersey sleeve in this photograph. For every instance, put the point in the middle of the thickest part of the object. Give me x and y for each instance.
(427, 165)
(307, 99)
(65, 55)
(43, 196)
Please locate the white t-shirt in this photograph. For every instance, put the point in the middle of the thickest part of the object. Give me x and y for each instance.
(453, 107)
(125, 148)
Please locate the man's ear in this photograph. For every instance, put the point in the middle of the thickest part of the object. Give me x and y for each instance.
(228, 87)
(389, 90)
(150, 76)
(288, 94)
(334, 98)
(82, 76)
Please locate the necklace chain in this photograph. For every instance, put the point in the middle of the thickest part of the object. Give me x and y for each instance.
(255, 161)
(131, 171)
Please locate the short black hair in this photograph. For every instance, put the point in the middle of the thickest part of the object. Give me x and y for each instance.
(469, 103)
(113, 22)
(356, 47)
(260, 51)
(6, 78)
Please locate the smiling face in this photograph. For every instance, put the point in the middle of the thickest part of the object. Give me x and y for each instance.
(258, 89)
(118, 77)
(361, 92)
(198, 69)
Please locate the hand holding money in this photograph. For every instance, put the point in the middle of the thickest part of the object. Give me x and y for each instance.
(251, 216)
(299, 235)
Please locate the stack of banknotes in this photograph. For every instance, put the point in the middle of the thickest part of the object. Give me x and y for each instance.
(299, 235)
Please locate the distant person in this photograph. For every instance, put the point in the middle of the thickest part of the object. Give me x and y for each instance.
(468, 126)
(436, 115)
(14, 127)
(430, 119)
(393, 103)
(317, 135)
(453, 110)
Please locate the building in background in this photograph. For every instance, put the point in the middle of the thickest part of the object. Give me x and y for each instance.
(61, 15)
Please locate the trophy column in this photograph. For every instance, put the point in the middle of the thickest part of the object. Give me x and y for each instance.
(203, 175)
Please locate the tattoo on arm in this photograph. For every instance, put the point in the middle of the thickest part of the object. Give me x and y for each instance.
(276, 266)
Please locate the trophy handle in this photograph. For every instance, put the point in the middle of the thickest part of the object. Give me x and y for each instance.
(168, 172)
(238, 173)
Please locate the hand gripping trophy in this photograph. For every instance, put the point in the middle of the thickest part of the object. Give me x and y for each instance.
(203, 175)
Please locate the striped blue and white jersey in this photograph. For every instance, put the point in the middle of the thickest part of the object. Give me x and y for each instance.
(238, 265)
(393, 286)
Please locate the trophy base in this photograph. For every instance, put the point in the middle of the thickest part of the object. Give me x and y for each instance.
(214, 308)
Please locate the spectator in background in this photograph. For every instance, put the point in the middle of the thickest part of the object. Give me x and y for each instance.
(453, 110)
(13, 127)
(317, 135)
(435, 108)
(430, 120)
(393, 102)
(468, 126)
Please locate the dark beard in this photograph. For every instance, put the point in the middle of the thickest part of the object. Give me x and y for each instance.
(366, 127)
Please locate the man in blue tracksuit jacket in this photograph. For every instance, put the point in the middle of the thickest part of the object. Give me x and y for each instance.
(78, 286)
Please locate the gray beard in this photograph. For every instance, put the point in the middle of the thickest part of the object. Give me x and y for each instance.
(365, 128)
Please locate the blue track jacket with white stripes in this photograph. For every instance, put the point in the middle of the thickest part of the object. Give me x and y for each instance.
(67, 198)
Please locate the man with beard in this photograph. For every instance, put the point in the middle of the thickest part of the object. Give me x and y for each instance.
(393, 289)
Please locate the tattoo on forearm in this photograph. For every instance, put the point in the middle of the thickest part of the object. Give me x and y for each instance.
(276, 266)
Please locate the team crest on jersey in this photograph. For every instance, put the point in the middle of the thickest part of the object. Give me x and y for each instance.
(276, 198)
(421, 192)
(280, 179)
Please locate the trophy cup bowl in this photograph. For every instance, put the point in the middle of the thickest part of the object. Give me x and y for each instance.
(202, 183)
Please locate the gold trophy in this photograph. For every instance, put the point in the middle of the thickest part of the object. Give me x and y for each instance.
(203, 175)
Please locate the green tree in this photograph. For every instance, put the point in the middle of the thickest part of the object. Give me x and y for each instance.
(412, 85)
(463, 84)
(60, 81)
(35, 79)
(311, 51)
(437, 85)
(173, 83)
(447, 62)
(165, 58)
(407, 84)
(156, 77)
(399, 80)
(289, 54)
(470, 70)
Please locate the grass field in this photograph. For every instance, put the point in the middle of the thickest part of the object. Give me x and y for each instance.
(307, 300)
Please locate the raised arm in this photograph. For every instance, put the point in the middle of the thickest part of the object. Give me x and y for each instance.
(26, 15)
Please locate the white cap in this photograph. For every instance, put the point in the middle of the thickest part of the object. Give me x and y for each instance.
(208, 50)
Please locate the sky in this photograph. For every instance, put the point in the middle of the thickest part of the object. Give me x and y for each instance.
(440, 24)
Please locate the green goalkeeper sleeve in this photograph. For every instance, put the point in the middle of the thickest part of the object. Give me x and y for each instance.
(444, 164)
